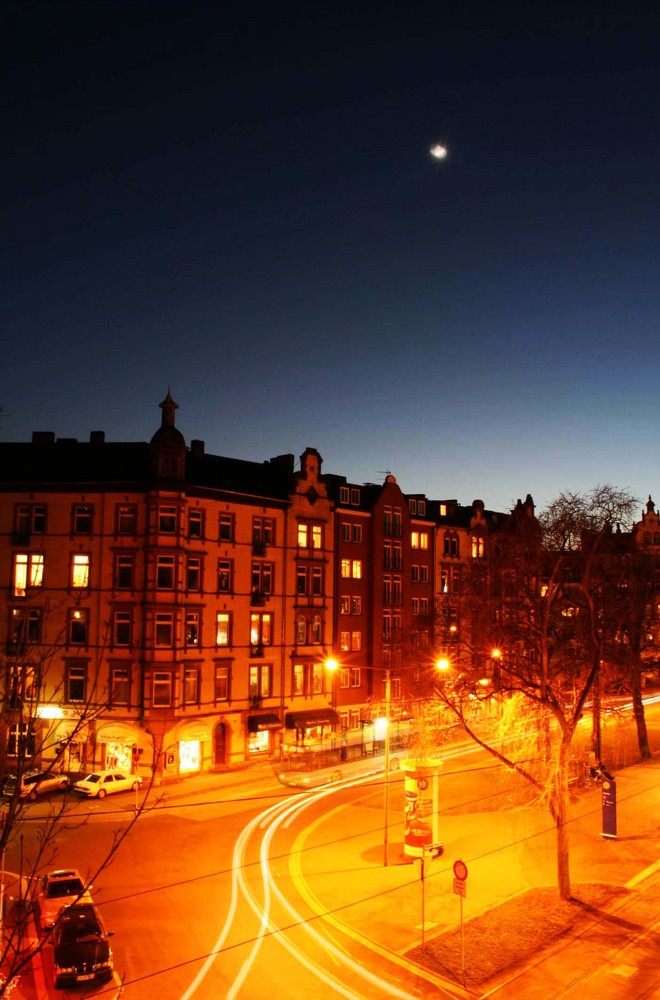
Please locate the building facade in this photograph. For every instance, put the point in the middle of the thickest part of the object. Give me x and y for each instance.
(173, 610)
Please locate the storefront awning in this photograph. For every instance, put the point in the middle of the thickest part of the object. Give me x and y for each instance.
(257, 723)
(116, 732)
(312, 717)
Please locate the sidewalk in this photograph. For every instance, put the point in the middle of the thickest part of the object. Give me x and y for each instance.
(614, 952)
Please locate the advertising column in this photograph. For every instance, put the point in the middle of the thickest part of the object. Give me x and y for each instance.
(421, 805)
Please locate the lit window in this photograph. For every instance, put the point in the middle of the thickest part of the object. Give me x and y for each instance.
(28, 572)
(223, 629)
(260, 680)
(80, 571)
(346, 567)
(477, 547)
(419, 539)
(356, 569)
(344, 605)
(356, 641)
(345, 641)
(261, 628)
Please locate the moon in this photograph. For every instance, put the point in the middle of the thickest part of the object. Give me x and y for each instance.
(439, 152)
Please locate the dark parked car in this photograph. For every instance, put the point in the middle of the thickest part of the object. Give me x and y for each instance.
(81, 949)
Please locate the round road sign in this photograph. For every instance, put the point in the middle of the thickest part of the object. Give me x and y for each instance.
(460, 870)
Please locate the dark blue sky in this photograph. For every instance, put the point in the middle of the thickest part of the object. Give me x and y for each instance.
(237, 200)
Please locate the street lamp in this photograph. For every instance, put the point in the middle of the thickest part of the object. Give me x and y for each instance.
(388, 698)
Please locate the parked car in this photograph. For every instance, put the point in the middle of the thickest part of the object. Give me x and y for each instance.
(59, 889)
(81, 949)
(31, 784)
(101, 783)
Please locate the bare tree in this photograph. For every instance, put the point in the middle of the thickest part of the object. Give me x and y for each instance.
(531, 630)
(32, 740)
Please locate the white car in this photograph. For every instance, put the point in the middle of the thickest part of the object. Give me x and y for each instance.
(101, 783)
(59, 889)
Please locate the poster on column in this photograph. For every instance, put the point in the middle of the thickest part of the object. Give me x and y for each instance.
(420, 806)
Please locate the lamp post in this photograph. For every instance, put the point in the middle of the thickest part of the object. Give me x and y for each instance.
(388, 697)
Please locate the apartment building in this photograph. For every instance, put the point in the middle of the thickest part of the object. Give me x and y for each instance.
(169, 608)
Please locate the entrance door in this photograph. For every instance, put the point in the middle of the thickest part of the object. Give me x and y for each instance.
(220, 752)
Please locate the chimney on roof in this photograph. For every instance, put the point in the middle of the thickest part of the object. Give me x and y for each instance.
(97, 437)
(196, 448)
(42, 438)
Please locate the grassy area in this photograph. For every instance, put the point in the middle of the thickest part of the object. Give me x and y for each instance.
(512, 933)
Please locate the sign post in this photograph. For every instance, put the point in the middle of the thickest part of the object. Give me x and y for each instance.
(460, 878)
(609, 808)
(429, 851)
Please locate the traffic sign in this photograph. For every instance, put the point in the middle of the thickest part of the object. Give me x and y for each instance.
(459, 886)
(460, 870)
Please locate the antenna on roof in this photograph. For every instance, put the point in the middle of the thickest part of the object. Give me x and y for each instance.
(384, 472)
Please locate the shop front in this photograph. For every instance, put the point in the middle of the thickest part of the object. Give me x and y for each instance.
(192, 738)
(260, 733)
(310, 726)
(118, 746)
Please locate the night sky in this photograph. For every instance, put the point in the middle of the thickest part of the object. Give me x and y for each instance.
(237, 200)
